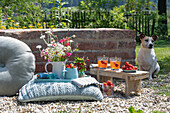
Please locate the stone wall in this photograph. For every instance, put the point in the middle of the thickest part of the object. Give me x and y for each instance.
(92, 43)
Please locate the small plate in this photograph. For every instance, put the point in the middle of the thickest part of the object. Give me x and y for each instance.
(129, 71)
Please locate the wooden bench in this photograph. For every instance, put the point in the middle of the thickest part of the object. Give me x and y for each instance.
(132, 80)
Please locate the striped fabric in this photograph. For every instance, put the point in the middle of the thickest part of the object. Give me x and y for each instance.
(50, 91)
(85, 81)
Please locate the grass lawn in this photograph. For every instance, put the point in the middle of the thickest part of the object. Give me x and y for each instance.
(162, 51)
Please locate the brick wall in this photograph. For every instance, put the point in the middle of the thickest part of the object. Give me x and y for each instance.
(92, 43)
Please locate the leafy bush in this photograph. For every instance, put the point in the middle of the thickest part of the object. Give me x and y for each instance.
(100, 17)
(21, 14)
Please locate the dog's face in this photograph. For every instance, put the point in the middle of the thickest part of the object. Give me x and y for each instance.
(147, 42)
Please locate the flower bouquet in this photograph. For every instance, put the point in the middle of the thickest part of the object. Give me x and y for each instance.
(56, 50)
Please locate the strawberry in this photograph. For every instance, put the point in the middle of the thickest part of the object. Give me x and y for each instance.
(70, 65)
(130, 65)
(38, 75)
(104, 84)
(74, 66)
(67, 66)
(130, 68)
(123, 67)
(109, 83)
(116, 64)
(103, 62)
(105, 90)
(126, 63)
(136, 68)
(109, 90)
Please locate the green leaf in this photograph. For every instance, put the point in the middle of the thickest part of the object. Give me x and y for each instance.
(131, 109)
(139, 111)
(64, 3)
(76, 49)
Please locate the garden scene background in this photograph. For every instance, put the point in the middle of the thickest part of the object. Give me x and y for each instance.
(139, 15)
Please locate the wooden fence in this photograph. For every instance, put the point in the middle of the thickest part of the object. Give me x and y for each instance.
(140, 21)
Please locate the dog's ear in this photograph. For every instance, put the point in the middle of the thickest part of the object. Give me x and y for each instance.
(155, 37)
(141, 35)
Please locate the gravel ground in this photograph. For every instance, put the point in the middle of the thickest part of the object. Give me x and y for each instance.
(148, 101)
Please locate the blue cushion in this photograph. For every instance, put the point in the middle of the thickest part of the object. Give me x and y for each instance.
(17, 65)
(50, 91)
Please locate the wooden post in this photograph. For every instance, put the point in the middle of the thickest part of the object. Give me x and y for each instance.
(126, 86)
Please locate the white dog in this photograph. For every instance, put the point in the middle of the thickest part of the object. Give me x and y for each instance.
(146, 57)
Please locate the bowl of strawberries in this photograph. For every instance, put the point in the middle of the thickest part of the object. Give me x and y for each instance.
(129, 68)
(71, 72)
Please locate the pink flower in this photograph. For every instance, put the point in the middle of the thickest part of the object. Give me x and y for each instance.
(62, 40)
(67, 38)
(68, 54)
(53, 45)
(41, 54)
(45, 52)
(48, 60)
(67, 44)
(45, 57)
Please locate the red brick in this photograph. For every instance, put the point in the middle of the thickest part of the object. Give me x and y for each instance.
(122, 54)
(80, 33)
(125, 45)
(117, 34)
(96, 45)
(30, 35)
(40, 67)
(85, 45)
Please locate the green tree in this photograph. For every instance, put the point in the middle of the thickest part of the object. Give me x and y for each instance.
(163, 16)
(139, 5)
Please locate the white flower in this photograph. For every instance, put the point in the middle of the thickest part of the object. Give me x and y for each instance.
(74, 36)
(71, 41)
(49, 45)
(48, 32)
(59, 47)
(60, 54)
(42, 37)
(67, 48)
(51, 54)
(38, 46)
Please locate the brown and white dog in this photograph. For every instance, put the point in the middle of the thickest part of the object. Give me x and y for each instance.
(146, 57)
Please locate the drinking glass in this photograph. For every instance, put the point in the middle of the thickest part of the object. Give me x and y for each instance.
(115, 63)
(102, 62)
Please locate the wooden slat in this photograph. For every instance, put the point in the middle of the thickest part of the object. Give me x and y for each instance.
(120, 74)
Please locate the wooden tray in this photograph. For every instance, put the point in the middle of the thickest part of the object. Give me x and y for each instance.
(52, 80)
